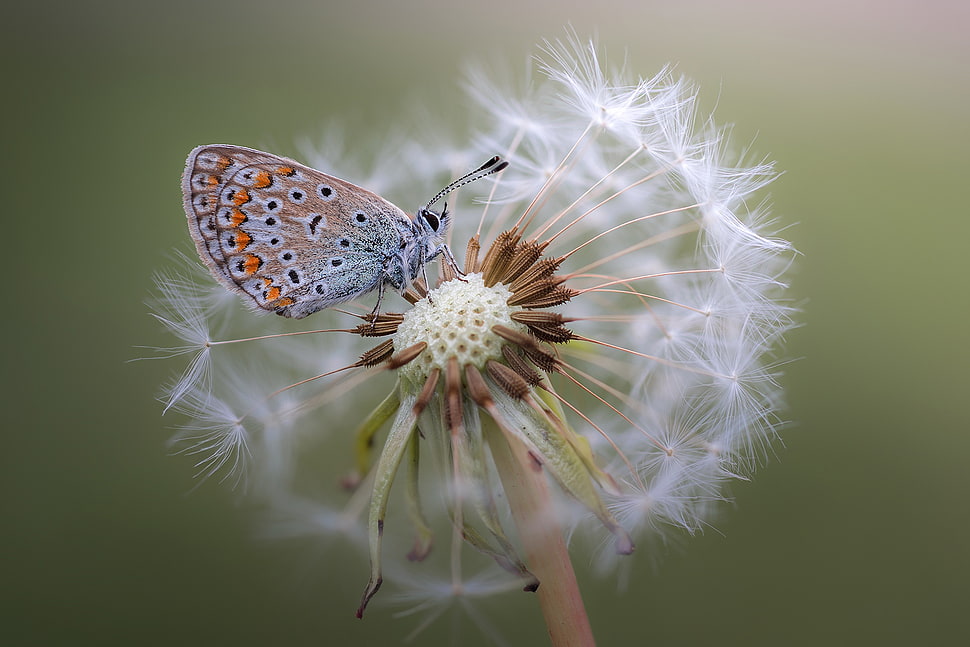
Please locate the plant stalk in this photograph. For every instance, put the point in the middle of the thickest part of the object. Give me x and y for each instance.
(541, 535)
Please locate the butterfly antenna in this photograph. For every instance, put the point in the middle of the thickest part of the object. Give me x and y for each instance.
(493, 165)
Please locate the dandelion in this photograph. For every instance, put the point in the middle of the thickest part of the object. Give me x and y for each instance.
(603, 362)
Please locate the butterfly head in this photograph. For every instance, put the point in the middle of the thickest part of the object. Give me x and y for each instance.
(430, 225)
(428, 231)
(433, 223)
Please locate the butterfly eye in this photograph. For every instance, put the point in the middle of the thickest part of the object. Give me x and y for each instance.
(431, 218)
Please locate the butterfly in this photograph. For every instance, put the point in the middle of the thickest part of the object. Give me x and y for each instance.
(294, 240)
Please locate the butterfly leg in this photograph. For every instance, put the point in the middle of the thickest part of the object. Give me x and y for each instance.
(376, 312)
(427, 284)
(451, 262)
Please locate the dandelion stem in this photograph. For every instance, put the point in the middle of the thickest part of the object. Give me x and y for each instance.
(545, 549)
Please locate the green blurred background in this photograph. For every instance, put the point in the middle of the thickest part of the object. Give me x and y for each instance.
(856, 533)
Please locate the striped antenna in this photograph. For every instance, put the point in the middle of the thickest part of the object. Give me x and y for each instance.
(493, 165)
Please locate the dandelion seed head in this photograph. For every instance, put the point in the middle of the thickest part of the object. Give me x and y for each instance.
(620, 319)
(456, 322)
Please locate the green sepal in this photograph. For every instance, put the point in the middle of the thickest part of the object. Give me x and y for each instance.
(364, 436)
(398, 440)
(578, 442)
(473, 463)
(559, 456)
(423, 533)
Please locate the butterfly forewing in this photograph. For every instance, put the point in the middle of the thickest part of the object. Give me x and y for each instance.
(291, 238)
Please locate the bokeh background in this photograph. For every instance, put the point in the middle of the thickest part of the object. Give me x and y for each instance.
(856, 532)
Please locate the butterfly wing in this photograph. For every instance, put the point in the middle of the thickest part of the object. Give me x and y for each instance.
(292, 239)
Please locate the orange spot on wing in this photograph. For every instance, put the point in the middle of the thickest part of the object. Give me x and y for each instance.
(273, 293)
(262, 180)
(223, 163)
(241, 197)
(242, 240)
(286, 171)
(212, 180)
(251, 264)
(285, 301)
(237, 218)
